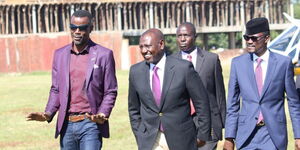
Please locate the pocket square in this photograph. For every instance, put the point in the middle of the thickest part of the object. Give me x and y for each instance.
(96, 66)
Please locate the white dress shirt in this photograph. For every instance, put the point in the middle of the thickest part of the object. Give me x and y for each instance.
(193, 54)
(264, 63)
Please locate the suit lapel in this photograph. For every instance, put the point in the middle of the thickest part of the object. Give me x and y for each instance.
(66, 62)
(251, 75)
(168, 77)
(270, 72)
(200, 59)
(178, 55)
(91, 64)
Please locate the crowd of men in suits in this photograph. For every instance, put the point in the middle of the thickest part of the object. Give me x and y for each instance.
(175, 102)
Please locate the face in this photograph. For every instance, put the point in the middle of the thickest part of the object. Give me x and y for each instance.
(185, 38)
(257, 43)
(151, 48)
(80, 30)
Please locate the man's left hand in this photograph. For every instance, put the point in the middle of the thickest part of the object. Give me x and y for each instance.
(200, 143)
(98, 118)
(297, 144)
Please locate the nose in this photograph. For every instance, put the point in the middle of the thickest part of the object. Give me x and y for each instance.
(143, 49)
(182, 38)
(249, 41)
(77, 30)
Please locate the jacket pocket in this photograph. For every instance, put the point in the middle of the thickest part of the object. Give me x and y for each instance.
(142, 128)
(187, 125)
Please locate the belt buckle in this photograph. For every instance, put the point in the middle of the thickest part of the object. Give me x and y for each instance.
(76, 118)
(260, 124)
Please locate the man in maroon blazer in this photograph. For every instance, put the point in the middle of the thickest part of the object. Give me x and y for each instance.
(83, 90)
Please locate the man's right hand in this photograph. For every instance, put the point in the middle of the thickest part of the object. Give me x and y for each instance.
(38, 116)
(228, 144)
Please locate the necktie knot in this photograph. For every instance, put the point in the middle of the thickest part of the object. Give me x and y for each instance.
(155, 68)
(189, 57)
(259, 60)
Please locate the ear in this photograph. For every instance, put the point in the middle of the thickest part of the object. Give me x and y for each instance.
(267, 39)
(91, 28)
(162, 44)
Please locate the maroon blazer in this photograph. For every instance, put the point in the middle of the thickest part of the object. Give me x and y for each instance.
(100, 84)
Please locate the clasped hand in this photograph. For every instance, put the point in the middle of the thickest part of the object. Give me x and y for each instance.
(98, 118)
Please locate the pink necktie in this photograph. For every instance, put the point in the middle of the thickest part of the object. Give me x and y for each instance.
(259, 82)
(189, 58)
(156, 90)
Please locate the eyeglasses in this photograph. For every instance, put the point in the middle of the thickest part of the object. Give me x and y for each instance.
(81, 27)
(253, 38)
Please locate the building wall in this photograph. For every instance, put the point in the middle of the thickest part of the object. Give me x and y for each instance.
(34, 52)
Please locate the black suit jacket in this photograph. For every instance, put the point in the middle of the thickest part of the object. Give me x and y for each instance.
(210, 71)
(180, 83)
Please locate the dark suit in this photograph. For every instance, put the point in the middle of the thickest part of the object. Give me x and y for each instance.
(210, 71)
(242, 118)
(180, 83)
(100, 87)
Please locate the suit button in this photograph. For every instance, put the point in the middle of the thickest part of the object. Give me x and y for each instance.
(160, 114)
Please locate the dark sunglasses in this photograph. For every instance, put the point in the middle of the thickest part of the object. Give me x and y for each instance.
(253, 38)
(81, 27)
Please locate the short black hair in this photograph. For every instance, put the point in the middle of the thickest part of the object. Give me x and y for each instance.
(192, 26)
(83, 13)
(156, 32)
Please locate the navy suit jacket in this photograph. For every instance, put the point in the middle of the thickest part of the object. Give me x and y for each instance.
(180, 83)
(242, 118)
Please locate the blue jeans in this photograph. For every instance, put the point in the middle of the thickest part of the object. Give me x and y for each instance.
(82, 135)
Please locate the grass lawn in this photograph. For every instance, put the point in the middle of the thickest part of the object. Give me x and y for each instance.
(24, 93)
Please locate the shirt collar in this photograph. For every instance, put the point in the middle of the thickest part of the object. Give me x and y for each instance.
(193, 53)
(84, 51)
(264, 57)
(160, 64)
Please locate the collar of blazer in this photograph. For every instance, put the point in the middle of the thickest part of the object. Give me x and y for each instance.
(91, 66)
(168, 77)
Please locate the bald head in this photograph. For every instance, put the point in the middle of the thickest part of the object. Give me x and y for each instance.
(152, 45)
(155, 33)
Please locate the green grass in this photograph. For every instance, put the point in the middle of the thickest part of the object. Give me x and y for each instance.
(24, 93)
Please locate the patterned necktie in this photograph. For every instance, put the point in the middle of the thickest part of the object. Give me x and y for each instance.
(189, 58)
(259, 82)
(156, 90)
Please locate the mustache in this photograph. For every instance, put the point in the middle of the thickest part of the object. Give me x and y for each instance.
(77, 36)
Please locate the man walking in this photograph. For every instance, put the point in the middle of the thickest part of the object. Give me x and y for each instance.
(208, 66)
(261, 79)
(83, 90)
(158, 102)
